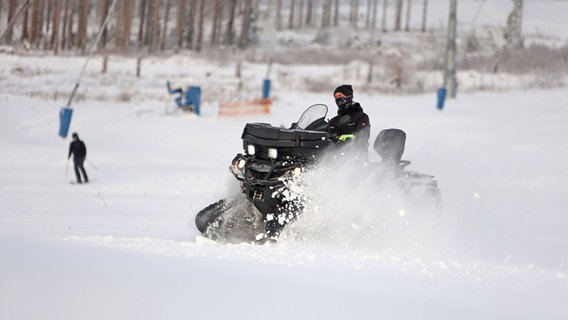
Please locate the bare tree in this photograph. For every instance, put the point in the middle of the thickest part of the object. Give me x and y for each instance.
(301, 14)
(127, 27)
(35, 22)
(215, 21)
(12, 4)
(200, 18)
(155, 20)
(408, 6)
(309, 12)
(354, 19)
(64, 33)
(336, 13)
(374, 19)
(513, 31)
(424, 12)
(384, 20)
(191, 23)
(56, 16)
(326, 14)
(47, 14)
(368, 14)
(247, 12)
(291, 14)
(72, 13)
(142, 13)
(104, 7)
(165, 29)
(229, 33)
(398, 15)
(180, 22)
(278, 15)
(83, 21)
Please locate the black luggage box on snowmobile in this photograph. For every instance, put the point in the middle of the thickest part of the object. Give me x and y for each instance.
(289, 143)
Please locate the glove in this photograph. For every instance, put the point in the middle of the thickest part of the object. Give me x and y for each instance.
(345, 137)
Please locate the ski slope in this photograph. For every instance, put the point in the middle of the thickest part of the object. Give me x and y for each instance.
(125, 246)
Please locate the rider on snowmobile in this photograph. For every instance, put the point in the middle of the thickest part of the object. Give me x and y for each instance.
(351, 123)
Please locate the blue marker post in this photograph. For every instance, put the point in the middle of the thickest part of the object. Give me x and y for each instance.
(64, 121)
(266, 89)
(441, 97)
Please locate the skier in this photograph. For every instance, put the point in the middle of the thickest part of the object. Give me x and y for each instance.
(351, 123)
(79, 151)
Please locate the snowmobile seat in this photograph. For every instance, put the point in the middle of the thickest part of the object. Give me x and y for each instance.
(390, 146)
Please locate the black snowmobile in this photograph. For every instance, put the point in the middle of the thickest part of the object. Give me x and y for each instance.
(274, 155)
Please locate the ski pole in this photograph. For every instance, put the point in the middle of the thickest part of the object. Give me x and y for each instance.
(67, 167)
(92, 165)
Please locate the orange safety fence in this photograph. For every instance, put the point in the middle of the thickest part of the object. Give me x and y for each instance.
(244, 108)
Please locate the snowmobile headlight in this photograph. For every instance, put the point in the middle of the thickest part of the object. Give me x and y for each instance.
(251, 149)
(297, 171)
(241, 164)
(272, 153)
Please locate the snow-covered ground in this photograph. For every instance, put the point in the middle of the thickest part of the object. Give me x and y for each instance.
(125, 245)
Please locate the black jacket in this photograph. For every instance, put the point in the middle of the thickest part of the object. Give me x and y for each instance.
(351, 120)
(78, 149)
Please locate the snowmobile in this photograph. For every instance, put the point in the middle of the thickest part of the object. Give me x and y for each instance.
(273, 156)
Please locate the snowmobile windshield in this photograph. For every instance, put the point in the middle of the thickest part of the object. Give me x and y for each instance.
(311, 115)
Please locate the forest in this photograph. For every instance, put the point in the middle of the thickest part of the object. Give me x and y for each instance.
(158, 25)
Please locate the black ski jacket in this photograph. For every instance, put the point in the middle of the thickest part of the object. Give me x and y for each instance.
(351, 120)
(78, 149)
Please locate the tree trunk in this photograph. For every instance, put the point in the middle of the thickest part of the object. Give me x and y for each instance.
(72, 13)
(12, 4)
(83, 20)
(120, 13)
(182, 4)
(191, 23)
(155, 19)
(35, 26)
(326, 14)
(200, 19)
(64, 28)
(244, 41)
(278, 15)
(424, 13)
(384, 20)
(230, 23)
(142, 12)
(336, 13)
(48, 16)
(166, 20)
(215, 22)
(354, 13)
(374, 18)
(309, 12)
(104, 7)
(56, 13)
(368, 14)
(398, 15)
(128, 22)
(408, 7)
(301, 14)
(291, 15)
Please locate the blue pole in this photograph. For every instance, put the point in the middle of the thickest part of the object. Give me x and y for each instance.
(64, 121)
(266, 89)
(441, 97)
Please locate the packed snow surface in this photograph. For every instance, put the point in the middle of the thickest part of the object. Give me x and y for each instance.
(125, 245)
